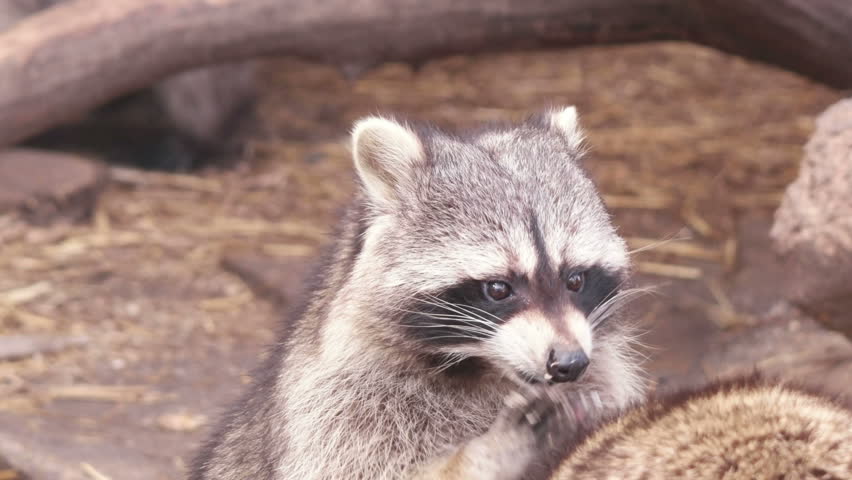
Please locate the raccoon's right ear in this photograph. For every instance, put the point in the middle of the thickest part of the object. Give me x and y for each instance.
(385, 154)
(564, 121)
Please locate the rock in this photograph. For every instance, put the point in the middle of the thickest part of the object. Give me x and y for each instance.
(813, 226)
(785, 344)
(280, 280)
(792, 348)
(43, 186)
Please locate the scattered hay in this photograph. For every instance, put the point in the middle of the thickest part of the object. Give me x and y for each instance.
(21, 295)
(682, 272)
(181, 421)
(13, 347)
(100, 393)
(92, 472)
(679, 248)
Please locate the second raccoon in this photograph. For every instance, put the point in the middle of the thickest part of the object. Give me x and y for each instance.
(742, 429)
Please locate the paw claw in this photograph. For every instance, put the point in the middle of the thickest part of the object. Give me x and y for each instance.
(532, 418)
(514, 400)
(598, 403)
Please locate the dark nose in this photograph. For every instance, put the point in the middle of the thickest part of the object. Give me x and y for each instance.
(566, 365)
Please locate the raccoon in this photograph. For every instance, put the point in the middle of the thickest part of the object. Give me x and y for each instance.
(737, 429)
(466, 268)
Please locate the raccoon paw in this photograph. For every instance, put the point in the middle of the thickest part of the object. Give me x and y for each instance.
(518, 434)
(531, 424)
(583, 409)
(529, 417)
(539, 426)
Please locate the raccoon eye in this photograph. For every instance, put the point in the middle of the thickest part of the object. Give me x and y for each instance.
(576, 281)
(496, 290)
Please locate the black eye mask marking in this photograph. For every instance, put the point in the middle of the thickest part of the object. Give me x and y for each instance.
(463, 314)
(599, 286)
(458, 315)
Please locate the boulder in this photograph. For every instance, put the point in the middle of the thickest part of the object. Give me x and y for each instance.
(44, 187)
(813, 226)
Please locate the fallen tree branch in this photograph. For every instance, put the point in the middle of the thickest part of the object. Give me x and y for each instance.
(66, 60)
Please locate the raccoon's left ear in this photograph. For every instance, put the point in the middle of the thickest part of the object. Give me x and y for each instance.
(564, 121)
(386, 153)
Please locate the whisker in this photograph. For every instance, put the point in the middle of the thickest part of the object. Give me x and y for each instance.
(464, 326)
(442, 316)
(460, 328)
(610, 295)
(457, 317)
(452, 306)
(619, 300)
(680, 236)
(495, 317)
(453, 358)
(455, 337)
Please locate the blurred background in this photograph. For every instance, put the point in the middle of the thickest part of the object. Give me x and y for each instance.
(152, 236)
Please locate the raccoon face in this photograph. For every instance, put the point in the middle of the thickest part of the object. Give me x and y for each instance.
(495, 246)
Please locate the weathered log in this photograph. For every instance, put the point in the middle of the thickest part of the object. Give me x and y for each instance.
(200, 104)
(77, 55)
(12, 11)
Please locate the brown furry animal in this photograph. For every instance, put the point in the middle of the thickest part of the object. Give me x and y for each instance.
(743, 429)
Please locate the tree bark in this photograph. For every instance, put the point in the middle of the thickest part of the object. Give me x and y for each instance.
(201, 104)
(66, 60)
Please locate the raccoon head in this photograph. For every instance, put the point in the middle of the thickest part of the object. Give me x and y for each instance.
(495, 246)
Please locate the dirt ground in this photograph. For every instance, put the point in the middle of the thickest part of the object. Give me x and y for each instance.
(174, 287)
